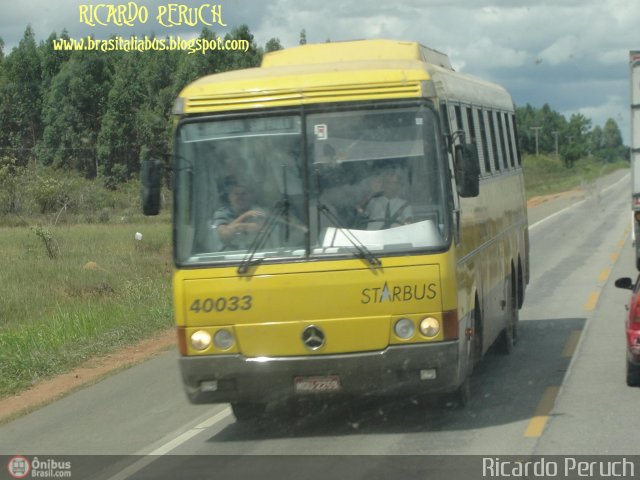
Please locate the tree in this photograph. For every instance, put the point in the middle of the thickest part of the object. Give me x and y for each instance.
(273, 45)
(607, 143)
(596, 141)
(550, 121)
(136, 124)
(237, 59)
(193, 66)
(52, 60)
(118, 148)
(154, 115)
(550, 124)
(576, 139)
(72, 112)
(611, 136)
(526, 118)
(303, 37)
(21, 100)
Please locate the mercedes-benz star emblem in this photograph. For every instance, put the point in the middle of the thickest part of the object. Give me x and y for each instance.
(313, 337)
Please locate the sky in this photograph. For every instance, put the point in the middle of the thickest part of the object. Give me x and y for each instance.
(571, 54)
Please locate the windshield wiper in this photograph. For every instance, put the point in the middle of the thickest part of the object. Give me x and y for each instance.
(281, 208)
(364, 252)
(263, 233)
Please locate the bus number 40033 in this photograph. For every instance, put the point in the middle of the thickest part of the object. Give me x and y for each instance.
(221, 304)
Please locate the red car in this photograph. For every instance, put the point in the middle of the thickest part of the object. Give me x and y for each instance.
(632, 325)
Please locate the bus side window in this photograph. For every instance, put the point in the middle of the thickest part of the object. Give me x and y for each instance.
(485, 143)
(494, 142)
(473, 135)
(444, 115)
(512, 140)
(459, 121)
(502, 128)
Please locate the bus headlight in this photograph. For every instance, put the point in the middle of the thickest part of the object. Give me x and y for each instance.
(223, 339)
(404, 328)
(200, 340)
(429, 327)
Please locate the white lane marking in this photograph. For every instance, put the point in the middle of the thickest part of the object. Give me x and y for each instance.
(151, 457)
(184, 437)
(539, 222)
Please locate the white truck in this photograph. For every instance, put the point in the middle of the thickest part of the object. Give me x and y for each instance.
(634, 65)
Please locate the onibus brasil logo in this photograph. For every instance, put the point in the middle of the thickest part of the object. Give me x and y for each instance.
(19, 467)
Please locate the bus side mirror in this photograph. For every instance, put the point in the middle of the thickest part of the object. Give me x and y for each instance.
(625, 282)
(467, 170)
(150, 185)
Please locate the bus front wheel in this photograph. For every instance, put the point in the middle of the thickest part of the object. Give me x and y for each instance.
(459, 398)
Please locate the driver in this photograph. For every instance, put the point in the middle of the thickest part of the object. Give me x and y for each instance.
(236, 221)
(384, 208)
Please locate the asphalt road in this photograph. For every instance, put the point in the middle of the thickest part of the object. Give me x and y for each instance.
(562, 390)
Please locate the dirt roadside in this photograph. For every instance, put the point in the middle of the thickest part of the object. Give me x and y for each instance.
(52, 389)
(94, 370)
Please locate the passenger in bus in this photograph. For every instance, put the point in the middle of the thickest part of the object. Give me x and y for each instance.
(237, 220)
(384, 207)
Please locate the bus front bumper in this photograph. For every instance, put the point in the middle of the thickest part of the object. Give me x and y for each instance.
(397, 370)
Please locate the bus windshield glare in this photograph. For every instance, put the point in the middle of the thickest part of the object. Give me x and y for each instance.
(370, 179)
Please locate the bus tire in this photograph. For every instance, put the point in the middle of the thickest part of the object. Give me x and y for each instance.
(248, 412)
(460, 397)
(476, 339)
(509, 335)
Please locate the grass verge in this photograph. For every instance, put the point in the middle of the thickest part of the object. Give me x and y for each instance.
(104, 290)
(545, 175)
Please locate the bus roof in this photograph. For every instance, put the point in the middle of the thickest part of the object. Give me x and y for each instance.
(338, 72)
(355, 51)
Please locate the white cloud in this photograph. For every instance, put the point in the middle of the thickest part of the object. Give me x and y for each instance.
(560, 51)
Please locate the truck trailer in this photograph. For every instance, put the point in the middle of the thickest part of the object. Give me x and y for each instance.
(634, 65)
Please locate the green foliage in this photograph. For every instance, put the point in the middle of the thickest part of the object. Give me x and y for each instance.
(118, 138)
(52, 196)
(94, 112)
(273, 45)
(607, 143)
(49, 193)
(10, 174)
(52, 60)
(21, 100)
(571, 139)
(101, 293)
(235, 60)
(73, 109)
(547, 174)
(50, 243)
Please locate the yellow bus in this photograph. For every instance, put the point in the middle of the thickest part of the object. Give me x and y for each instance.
(349, 219)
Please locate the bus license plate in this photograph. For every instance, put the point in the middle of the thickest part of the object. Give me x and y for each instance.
(317, 384)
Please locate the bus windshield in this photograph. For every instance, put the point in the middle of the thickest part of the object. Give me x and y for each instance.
(247, 191)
